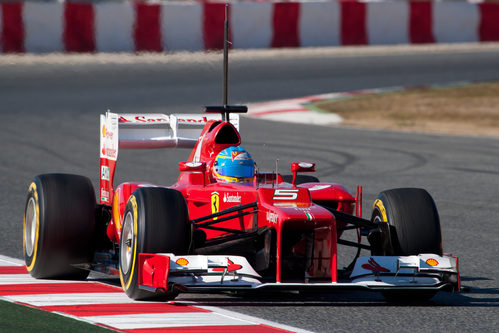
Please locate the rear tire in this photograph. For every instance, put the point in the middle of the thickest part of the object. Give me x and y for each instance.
(58, 226)
(155, 220)
(413, 215)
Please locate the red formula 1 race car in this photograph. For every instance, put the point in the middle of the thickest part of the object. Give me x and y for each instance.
(224, 226)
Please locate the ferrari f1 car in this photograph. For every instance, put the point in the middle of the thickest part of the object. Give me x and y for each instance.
(203, 235)
(215, 231)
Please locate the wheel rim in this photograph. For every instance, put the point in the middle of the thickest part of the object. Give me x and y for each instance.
(378, 218)
(30, 227)
(127, 243)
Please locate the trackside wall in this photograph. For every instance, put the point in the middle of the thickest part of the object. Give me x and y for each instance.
(136, 26)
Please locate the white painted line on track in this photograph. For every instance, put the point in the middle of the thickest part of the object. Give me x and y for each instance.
(156, 320)
(304, 117)
(70, 299)
(26, 279)
(7, 261)
(295, 110)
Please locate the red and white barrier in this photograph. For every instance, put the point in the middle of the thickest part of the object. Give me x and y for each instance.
(193, 26)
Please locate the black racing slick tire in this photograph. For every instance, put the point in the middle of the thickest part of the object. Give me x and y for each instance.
(155, 220)
(413, 222)
(58, 226)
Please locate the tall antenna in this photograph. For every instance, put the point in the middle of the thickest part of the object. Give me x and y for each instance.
(226, 109)
(226, 63)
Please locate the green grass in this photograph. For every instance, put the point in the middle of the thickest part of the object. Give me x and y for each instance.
(19, 318)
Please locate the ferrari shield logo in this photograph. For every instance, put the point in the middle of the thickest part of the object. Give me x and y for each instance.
(215, 203)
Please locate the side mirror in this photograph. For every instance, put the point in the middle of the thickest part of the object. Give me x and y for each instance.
(192, 166)
(301, 167)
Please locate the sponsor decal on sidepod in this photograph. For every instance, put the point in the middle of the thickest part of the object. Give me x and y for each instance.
(232, 198)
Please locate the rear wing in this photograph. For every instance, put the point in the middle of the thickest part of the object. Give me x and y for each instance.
(146, 131)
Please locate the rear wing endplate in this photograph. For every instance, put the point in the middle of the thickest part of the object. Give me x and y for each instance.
(155, 130)
(146, 131)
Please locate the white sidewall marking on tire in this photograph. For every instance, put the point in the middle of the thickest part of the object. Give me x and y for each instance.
(34, 228)
(126, 251)
(30, 229)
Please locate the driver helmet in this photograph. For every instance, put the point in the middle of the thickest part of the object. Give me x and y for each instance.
(233, 165)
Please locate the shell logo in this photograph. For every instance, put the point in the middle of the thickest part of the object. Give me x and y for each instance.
(182, 262)
(432, 262)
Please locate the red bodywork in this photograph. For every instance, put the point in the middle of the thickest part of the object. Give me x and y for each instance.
(283, 207)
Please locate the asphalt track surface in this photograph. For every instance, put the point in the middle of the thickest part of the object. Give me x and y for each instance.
(49, 123)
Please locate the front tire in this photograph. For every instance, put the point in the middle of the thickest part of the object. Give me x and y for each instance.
(413, 222)
(412, 227)
(58, 226)
(155, 220)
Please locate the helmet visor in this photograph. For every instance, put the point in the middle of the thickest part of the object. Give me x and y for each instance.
(239, 171)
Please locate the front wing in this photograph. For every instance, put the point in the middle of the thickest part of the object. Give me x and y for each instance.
(212, 273)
